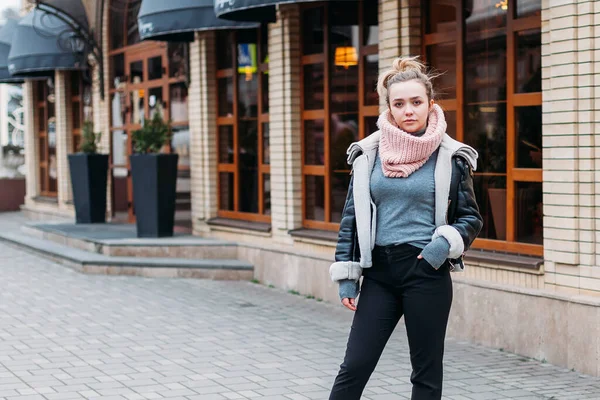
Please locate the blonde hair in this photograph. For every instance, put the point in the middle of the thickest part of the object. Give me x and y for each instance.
(405, 69)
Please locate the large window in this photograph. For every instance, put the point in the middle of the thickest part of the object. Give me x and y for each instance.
(46, 134)
(491, 91)
(146, 78)
(339, 103)
(243, 125)
(81, 106)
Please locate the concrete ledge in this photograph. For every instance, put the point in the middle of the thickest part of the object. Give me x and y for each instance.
(89, 262)
(117, 240)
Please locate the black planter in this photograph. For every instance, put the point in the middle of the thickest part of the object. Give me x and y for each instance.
(154, 185)
(88, 180)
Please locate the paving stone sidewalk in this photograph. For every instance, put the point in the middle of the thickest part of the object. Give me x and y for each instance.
(65, 335)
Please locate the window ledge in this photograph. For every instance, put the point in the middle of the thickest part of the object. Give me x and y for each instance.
(45, 199)
(314, 234)
(504, 259)
(238, 224)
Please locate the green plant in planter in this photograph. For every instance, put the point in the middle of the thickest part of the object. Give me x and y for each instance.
(153, 135)
(89, 139)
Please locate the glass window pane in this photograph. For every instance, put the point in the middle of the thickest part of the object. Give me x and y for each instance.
(267, 194)
(224, 49)
(40, 91)
(247, 80)
(314, 144)
(343, 39)
(529, 61)
(314, 87)
(137, 113)
(180, 142)
(339, 189)
(42, 148)
(133, 34)
(41, 113)
(76, 142)
(371, 23)
(529, 212)
(117, 27)
(490, 192)
(344, 89)
(248, 166)
(117, 71)
(225, 95)
(441, 16)
(136, 72)
(314, 202)
(43, 186)
(528, 8)
(155, 68)
(313, 38)
(370, 125)
(76, 110)
(178, 59)
(119, 148)
(75, 83)
(155, 102)
(371, 75)
(451, 122)
(264, 44)
(344, 131)
(485, 53)
(226, 194)
(226, 144)
(118, 109)
(265, 92)
(442, 57)
(485, 130)
(179, 102)
(529, 137)
(88, 108)
(265, 144)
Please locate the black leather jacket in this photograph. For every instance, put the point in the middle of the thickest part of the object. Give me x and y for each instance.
(463, 213)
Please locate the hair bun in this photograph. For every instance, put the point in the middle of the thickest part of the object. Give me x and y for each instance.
(403, 64)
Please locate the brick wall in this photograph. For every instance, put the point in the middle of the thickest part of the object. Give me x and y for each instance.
(64, 136)
(570, 124)
(285, 122)
(203, 130)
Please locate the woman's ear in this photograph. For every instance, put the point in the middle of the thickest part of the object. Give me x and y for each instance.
(430, 104)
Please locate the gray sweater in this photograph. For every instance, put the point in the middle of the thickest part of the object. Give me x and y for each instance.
(406, 215)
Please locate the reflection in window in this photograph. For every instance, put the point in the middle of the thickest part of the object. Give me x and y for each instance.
(178, 59)
(179, 105)
(180, 143)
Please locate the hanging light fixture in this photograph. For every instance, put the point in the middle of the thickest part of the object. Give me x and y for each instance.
(346, 56)
(503, 4)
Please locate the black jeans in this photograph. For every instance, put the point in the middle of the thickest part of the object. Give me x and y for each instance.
(398, 284)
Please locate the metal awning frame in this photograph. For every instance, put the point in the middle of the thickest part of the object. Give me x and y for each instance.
(95, 46)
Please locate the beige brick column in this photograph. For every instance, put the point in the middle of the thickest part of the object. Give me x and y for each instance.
(570, 65)
(101, 108)
(64, 136)
(285, 122)
(203, 130)
(31, 143)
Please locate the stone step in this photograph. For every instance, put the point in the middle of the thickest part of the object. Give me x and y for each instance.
(154, 267)
(120, 240)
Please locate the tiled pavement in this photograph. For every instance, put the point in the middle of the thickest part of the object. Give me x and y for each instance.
(64, 335)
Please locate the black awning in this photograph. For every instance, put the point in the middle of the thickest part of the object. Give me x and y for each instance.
(43, 43)
(6, 34)
(176, 20)
(252, 10)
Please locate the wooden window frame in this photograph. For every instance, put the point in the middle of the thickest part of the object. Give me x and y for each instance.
(44, 178)
(233, 121)
(364, 111)
(513, 174)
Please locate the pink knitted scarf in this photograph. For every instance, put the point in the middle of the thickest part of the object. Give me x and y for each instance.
(402, 153)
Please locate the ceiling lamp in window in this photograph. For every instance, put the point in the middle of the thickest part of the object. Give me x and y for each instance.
(346, 56)
(503, 4)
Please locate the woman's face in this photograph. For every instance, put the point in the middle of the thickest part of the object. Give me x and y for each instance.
(409, 105)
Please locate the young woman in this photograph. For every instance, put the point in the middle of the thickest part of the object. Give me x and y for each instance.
(409, 216)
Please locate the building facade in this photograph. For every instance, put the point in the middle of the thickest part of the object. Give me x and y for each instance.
(264, 110)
